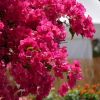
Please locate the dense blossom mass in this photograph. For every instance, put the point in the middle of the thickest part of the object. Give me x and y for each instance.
(30, 56)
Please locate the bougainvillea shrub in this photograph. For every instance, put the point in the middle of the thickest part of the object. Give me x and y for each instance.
(30, 56)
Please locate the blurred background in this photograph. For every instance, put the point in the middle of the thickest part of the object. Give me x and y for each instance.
(85, 50)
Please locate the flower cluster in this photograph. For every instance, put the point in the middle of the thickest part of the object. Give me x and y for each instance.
(73, 74)
(89, 89)
(30, 55)
(86, 92)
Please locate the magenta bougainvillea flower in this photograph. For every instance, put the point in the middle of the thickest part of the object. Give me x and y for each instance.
(30, 55)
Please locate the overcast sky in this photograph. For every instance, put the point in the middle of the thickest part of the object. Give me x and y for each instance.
(93, 9)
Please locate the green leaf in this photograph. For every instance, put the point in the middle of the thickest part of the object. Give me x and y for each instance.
(72, 32)
(49, 67)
